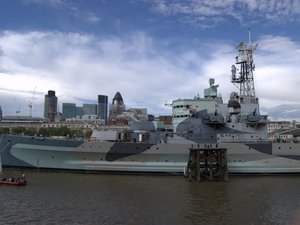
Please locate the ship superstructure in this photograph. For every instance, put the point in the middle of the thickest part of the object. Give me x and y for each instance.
(210, 120)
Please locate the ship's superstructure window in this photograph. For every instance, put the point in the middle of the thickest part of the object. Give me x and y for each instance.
(182, 116)
(181, 106)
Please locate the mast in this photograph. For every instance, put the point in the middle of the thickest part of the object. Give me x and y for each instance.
(244, 75)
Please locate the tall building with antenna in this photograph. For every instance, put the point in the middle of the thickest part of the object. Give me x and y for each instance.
(50, 106)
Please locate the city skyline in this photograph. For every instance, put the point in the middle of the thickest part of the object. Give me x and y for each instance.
(71, 110)
(153, 52)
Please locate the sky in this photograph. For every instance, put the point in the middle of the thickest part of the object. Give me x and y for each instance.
(151, 51)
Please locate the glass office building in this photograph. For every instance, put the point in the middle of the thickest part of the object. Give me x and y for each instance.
(89, 109)
(102, 107)
(68, 110)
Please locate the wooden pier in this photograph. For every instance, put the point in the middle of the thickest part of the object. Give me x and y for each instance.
(207, 161)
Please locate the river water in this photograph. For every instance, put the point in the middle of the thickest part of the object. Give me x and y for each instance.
(72, 198)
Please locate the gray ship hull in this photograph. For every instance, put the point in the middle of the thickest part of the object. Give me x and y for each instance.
(21, 151)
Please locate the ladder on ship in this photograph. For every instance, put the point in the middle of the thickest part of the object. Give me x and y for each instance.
(207, 161)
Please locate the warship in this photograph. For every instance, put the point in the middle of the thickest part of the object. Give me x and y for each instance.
(236, 126)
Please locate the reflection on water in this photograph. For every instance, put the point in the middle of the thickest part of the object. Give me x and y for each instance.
(70, 198)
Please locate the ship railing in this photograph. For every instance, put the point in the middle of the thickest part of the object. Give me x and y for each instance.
(228, 137)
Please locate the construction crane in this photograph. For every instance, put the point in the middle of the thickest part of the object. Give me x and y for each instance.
(31, 103)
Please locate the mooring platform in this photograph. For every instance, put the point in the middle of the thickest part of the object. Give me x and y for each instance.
(207, 161)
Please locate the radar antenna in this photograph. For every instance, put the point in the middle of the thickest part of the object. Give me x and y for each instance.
(244, 61)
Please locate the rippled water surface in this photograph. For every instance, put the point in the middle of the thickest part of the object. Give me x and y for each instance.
(71, 198)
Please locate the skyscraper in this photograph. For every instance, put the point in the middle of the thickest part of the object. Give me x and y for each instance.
(116, 108)
(89, 109)
(50, 106)
(102, 107)
(79, 111)
(68, 110)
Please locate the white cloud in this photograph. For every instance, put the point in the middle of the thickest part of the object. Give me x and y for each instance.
(277, 75)
(147, 74)
(73, 7)
(82, 66)
(93, 18)
(278, 44)
(206, 13)
(52, 3)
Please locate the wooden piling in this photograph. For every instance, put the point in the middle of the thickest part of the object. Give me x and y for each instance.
(207, 161)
